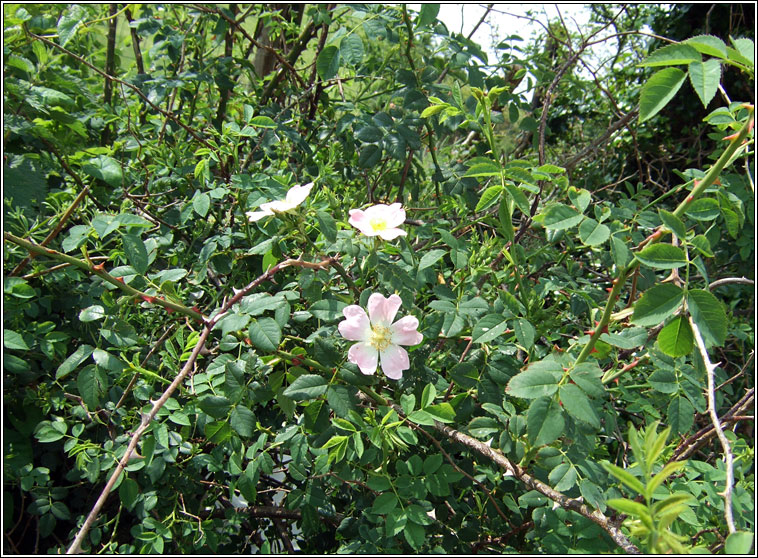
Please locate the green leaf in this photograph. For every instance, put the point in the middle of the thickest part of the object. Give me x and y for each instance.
(13, 340)
(664, 381)
(563, 477)
(105, 168)
(662, 256)
(578, 405)
(231, 323)
(201, 203)
(92, 384)
(659, 90)
(265, 334)
(128, 491)
(431, 110)
(74, 359)
(746, 48)
(533, 383)
(351, 49)
(218, 432)
(525, 333)
(384, 503)
(580, 197)
(551, 169)
(559, 216)
(428, 395)
(490, 327)
(708, 315)
(216, 406)
(592, 233)
(443, 412)
(657, 304)
(676, 338)
(242, 420)
(328, 62)
(431, 258)
(701, 243)
(621, 254)
(739, 542)
(518, 197)
(705, 78)
(709, 45)
(680, 415)
(369, 156)
(703, 209)
(327, 225)
(308, 386)
(92, 313)
(630, 507)
(262, 122)
(136, 253)
(342, 399)
(483, 168)
(674, 223)
(544, 421)
(420, 416)
(69, 23)
(415, 535)
(327, 309)
(672, 55)
(428, 14)
(489, 197)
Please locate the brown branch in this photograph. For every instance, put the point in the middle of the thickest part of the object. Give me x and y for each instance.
(613, 128)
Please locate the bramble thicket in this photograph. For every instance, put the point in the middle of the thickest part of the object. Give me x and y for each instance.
(332, 278)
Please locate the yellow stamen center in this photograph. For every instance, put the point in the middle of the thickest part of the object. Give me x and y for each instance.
(380, 338)
(378, 224)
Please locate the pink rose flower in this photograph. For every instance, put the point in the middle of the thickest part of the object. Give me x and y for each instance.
(378, 338)
(379, 220)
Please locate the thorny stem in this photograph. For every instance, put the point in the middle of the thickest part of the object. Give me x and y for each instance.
(728, 458)
(697, 190)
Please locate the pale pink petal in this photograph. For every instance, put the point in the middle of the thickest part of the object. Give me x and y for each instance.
(365, 356)
(297, 194)
(356, 326)
(278, 206)
(394, 361)
(253, 216)
(404, 331)
(395, 215)
(383, 310)
(359, 220)
(391, 234)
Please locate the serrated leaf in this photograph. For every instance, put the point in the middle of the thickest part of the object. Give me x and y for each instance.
(489, 197)
(578, 405)
(384, 503)
(518, 197)
(525, 333)
(105, 168)
(657, 304)
(532, 383)
(351, 49)
(74, 359)
(703, 209)
(705, 78)
(136, 252)
(659, 90)
(620, 252)
(592, 233)
(680, 415)
(674, 223)
(701, 243)
(544, 421)
(92, 384)
(580, 197)
(427, 14)
(672, 55)
(128, 491)
(563, 477)
(242, 420)
(308, 386)
(327, 225)
(443, 412)
(14, 340)
(265, 334)
(676, 338)
(746, 48)
(483, 168)
(201, 203)
(662, 256)
(739, 542)
(490, 327)
(431, 258)
(328, 62)
(327, 309)
(708, 44)
(559, 216)
(215, 405)
(709, 316)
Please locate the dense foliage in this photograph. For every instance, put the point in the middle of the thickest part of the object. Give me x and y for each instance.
(555, 248)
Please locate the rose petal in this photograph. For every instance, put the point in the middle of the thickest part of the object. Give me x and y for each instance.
(365, 356)
(356, 326)
(394, 361)
(391, 234)
(395, 215)
(383, 310)
(359, 220)
(297, 194)
(404, 331)
(253, 216)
